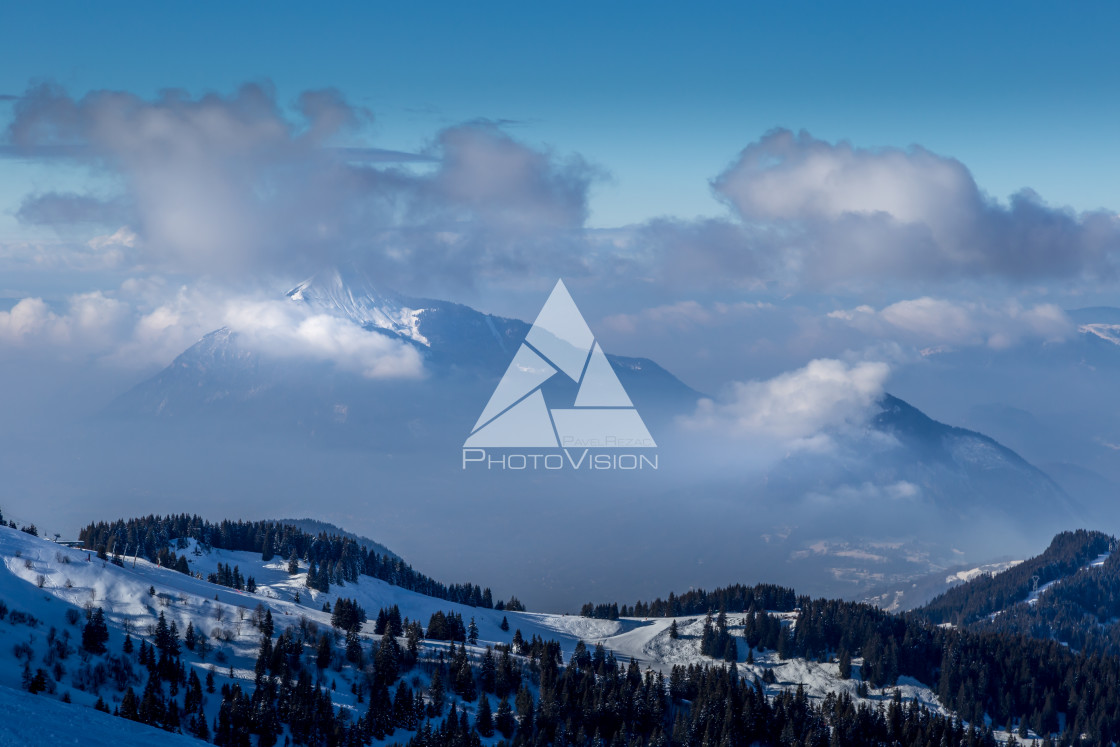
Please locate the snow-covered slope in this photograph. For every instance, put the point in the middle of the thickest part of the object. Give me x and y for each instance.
(41, 720)
(54, 584)
(72, 580)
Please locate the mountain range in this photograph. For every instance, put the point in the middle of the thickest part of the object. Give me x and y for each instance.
(896, 498)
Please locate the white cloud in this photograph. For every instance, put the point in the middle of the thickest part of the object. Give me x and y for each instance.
(935, 321)
(27, 319)
(92, 321)
(798, 407)
(146, 324)
(282, 329)
(116, 248)
(810, 213)
(792, 177)
(485, 171)
(235, 184)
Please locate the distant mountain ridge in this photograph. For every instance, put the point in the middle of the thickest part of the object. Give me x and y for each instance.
(891, 499)
(1068, 554)
(461, 348)
(982, 458)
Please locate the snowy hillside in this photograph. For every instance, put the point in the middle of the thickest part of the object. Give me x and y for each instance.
(70, 578)
(47, 589)
(37, 720)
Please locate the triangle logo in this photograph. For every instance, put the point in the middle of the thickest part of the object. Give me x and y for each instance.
(560, 344)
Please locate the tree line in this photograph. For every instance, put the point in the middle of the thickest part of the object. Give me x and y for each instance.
(737, 597)
(330, 559)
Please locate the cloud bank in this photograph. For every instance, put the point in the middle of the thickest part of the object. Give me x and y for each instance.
(240, 184)
(937, 321)
(237, 184)
(796, 408)
(145, 324)
(813, 214)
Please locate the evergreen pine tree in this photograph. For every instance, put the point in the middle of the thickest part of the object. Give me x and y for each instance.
(504, 721)
(464, 681)
(488, 672)
(128, 707)
(386, 661)
(353, 648)
(435, 695)
(396, 627)
(484, 723)
(95, 633)
(202, 731)
(323, 655)
(845, 664)
(524, 705)
(173, 640)
(267, 552)
(38, 683)
(162, 638)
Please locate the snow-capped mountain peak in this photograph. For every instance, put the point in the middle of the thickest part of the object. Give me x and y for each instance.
(356, 298)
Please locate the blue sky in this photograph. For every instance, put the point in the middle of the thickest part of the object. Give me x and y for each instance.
(660, 96)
